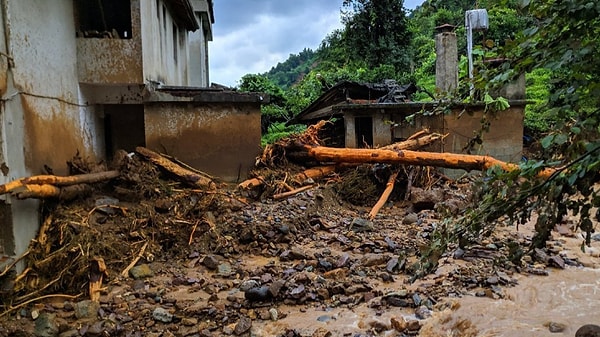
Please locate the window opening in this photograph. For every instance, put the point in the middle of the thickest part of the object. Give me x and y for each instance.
(103, 18)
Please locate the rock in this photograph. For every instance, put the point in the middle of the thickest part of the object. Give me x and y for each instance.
(425, 199)
(371, 259)
(410, 218)
(243, 325)
(103, 204)
(399, 323)
(224, 269)
(162, 315)
(556, 261)
(273, 314)
(541, 256)
(86, 309)
(141, 271)
(210, 262)
(422, 312)
(321, 332)
(361, 225)
(275, 287)
(413, 325)
(257, 294)
(458, 253)
(378, 326)
(555, 327)
(46, 326)
(588, 330)
(492, 280)
(342, 261)
(249, 284)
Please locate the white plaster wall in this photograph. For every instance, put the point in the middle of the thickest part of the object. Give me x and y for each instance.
(44, 118)
(198, 57)
(158, 46)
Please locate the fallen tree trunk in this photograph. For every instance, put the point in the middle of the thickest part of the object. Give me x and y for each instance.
(186, 175)
(407, 157)
(414, 142)
(58, 180)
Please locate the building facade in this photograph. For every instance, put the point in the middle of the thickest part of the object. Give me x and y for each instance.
(89, 77)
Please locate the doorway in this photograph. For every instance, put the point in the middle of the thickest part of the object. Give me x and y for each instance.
(364, 132)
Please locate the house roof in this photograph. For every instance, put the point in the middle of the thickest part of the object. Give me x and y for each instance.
(183, 13)
(351, 93)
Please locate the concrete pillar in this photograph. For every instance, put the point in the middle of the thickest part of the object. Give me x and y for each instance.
(446, 63)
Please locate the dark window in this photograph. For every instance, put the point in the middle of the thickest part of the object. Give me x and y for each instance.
(103, 18)
(175, 43)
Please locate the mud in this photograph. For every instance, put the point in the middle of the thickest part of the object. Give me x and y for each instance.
(215, 263)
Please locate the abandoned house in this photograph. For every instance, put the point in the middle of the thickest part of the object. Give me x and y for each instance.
(91, 77)
(374, 115)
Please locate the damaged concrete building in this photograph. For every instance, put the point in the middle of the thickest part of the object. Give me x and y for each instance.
(91, 77)
(374, 115)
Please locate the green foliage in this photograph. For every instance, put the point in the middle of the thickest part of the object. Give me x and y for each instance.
(290, 71)
(280, 130)
(376, 33)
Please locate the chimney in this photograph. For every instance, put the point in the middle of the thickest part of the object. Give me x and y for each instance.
(446, 63)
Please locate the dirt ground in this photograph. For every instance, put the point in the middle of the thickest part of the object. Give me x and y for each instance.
(230, 262)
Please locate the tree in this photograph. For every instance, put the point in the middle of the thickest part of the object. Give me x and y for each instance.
(376, 33)
(563, 39)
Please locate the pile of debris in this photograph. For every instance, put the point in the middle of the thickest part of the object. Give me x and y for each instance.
(150, 246)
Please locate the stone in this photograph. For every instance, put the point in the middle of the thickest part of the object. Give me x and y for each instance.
(275, 287)
(249, 284)
(410, 218)
(556, 261)
(274, 314)
(371, 259)
(555, 327)
(210, 262)
(588, 330)
(257, 294)
(321, 332)
(140, 272)
(46, 325)
(86, 309)
(399, 323)
(422, 312)
(162, 315)
(224, 269)
(361, 225)
(243, 325)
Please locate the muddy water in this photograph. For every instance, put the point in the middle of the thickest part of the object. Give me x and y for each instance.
(570, 297)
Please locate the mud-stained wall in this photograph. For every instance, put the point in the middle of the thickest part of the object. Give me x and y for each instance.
(503, 141)
(48, 116)
(222, 139)
(112, 61)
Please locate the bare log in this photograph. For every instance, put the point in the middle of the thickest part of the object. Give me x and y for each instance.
(58, 180)
(389, 187)
(407, 157)
(186, 175)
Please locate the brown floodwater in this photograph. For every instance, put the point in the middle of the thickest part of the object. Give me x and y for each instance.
(570, 297)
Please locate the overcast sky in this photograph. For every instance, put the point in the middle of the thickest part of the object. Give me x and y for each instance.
(251, 36)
